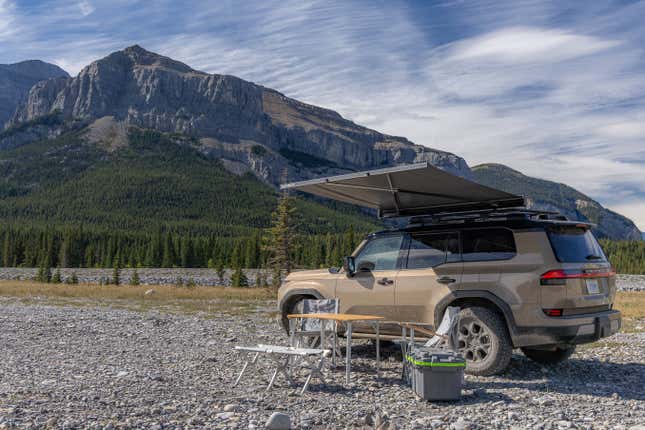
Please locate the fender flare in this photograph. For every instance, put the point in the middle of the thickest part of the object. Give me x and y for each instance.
(298, 292)
(477, 294)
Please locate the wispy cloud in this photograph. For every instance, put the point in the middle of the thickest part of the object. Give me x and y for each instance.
(556, 91)
(6, 18)
(85, 7)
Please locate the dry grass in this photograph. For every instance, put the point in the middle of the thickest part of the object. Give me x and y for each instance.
(170, 298)
(631, 304)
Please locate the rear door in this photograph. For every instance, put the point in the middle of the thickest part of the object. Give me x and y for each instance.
(585, 277)
(432, 267)
(371, 290)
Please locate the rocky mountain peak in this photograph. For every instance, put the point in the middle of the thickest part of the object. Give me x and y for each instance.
(16, 80)
(248, 126)
(142, 57)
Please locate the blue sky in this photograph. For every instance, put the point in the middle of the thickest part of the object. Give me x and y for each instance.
(553, 89)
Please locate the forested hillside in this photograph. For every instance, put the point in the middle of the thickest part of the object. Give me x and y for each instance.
(627, 256)
(156, 202)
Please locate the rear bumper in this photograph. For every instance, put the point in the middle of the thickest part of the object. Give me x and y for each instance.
(574, 330)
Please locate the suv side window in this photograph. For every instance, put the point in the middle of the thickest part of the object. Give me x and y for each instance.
(432, 249)
(488, 244)
(382, 251)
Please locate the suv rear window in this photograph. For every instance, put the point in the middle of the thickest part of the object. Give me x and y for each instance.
(488, 244)
(430, 250)
(575, 245)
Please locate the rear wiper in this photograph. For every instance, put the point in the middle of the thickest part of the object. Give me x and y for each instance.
(593, 257)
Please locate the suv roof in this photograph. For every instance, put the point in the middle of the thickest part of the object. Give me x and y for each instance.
(518, 218)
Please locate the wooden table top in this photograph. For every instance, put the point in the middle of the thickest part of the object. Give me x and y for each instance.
(337, 317)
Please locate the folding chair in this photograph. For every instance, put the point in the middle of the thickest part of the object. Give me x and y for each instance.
(308, 331)
(444, 337)
(285, 357)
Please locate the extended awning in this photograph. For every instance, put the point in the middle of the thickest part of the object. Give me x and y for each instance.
(415, 189)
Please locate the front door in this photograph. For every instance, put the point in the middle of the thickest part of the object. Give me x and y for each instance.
(370, 291)
(431, 269)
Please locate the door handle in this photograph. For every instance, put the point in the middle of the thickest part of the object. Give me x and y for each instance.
(385, 281)
(446, 280)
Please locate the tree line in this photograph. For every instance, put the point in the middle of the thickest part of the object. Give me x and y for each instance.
(626, 256)
(97, 248)
(36, 246)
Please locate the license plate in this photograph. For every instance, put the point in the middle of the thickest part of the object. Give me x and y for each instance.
(592, 286)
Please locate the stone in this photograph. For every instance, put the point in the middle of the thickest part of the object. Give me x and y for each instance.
(278, 421)
(150, 292)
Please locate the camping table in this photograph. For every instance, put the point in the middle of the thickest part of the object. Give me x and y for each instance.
(348, 319)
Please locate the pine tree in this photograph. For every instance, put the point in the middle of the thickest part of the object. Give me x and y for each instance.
(220, 272)
(134, 279)
(57, 279)
(116, 274)
(239, 279)
(73, 279)
(281, 237)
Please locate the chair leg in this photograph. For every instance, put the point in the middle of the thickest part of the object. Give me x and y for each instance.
(275, 373)
(246, 364)
(315, 370)
(281, 368)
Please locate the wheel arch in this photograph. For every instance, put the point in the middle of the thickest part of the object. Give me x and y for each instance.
(477, 298)
(292, 296)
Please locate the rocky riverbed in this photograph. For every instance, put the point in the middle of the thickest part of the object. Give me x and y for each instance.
(84, 366)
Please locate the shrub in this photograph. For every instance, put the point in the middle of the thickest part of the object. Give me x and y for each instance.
(56, 279)
(134, 279)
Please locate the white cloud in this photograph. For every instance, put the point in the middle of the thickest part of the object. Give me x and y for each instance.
(6, 18)
(526, 44)
(623, 130)
(85, 7)
(635, 210)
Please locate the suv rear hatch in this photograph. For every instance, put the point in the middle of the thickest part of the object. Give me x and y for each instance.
(584, 282)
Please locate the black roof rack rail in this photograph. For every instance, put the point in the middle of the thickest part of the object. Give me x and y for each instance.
(518, 213)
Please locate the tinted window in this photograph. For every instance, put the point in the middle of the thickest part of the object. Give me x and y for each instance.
(488, 244)
(382, 251)
(430, 250)
(575, 245)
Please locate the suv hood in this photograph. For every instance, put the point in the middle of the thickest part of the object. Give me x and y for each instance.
(307, 275)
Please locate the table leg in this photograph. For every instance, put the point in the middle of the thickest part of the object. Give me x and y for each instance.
(348, 352)
(322, 334)
(378, 350)
(292, 332)
(404, 350)
(335, 337)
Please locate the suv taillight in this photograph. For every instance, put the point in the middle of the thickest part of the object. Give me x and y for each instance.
(560, 276)
(552, 312)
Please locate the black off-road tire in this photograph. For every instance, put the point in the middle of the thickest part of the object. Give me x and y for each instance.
(544, 356)
(291, 307)
(493, 337)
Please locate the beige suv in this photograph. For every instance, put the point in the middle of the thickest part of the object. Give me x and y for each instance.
(522, 279)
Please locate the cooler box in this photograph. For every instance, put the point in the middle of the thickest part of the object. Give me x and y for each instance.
(436, 374)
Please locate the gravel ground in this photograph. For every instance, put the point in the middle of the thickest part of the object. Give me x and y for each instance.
(102, 367)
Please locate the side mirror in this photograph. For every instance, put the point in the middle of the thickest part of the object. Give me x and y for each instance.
(366, 266)
(349, 265)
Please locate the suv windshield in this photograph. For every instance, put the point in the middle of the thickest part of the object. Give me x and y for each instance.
(575, 245)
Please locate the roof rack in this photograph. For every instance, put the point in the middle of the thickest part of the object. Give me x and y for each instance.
(518, 213)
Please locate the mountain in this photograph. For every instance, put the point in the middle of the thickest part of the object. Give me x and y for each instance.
(137, 140)
(17, 79)
(247, 126)
(548, 195)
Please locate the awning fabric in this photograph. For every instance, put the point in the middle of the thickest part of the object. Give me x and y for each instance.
(415, 189)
